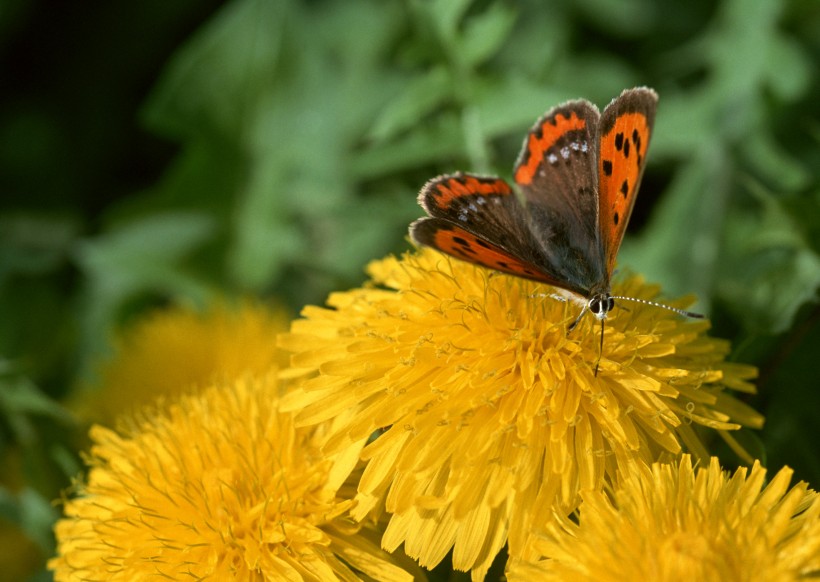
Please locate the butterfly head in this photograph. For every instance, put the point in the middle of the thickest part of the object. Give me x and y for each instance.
(601, 304)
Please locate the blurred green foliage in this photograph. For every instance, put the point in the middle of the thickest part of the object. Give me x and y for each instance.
(158, 152)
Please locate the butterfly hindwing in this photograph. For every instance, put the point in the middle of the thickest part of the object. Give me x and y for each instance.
(479, 219)
(557, 173)
(625, 130)
(453, 240)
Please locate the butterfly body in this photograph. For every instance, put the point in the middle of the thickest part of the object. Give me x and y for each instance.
(578, 175)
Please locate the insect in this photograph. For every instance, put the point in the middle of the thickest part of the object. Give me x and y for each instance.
(579, 173)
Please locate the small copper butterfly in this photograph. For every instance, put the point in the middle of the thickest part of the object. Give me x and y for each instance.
(579, 172)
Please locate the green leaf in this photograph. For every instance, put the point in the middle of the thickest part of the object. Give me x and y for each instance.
(20, 400)
(362, 242)
(420, 96)
(680, 245)
(262, 247)
(145, 245)
(142, 256)
(32, 513)
(511, 107)
(770, 270)
(625, 18)
(789, 386)
(485, 33)
(789, 69)
(446, 16)
(214, 83)
(772, 162)
(436, 142)
(34, 243)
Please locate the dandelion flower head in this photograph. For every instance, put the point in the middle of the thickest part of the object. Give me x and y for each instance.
(489, 411)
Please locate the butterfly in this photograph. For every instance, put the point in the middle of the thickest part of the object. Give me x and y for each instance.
(578, 173)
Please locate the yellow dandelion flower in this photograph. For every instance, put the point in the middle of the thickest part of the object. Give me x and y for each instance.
(671, 523)
(490, 408)
(173, 350)
(221, 486)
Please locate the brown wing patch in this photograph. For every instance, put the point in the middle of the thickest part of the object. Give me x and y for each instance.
(626, 128)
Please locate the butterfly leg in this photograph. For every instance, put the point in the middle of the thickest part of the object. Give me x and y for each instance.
(578, 319)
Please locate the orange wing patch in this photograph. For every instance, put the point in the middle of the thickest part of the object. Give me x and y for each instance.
(620, 166)
(539, 142)
(442, 191)
(463, 245)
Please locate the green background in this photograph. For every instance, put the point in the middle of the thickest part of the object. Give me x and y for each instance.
(155, 152)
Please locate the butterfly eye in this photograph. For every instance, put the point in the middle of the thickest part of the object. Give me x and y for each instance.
(595, 305)
(601, 304)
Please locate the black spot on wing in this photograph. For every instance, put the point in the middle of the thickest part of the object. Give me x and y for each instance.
(465, 245)
(481, 243)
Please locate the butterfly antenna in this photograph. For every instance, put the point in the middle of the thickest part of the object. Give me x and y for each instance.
(683, 312)
(600, 349)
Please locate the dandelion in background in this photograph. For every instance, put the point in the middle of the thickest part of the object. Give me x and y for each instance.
(176, 349)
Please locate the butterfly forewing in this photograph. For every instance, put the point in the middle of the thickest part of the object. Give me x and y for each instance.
(625, 130)
(557, 173)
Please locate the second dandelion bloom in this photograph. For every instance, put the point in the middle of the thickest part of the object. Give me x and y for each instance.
(674, 522)
(178, 349)
(218, 485)
(488, 408)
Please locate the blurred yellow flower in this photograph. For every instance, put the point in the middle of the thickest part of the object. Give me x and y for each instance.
(671, 523)
(173, 350)
(493, 417)
(220, 486)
